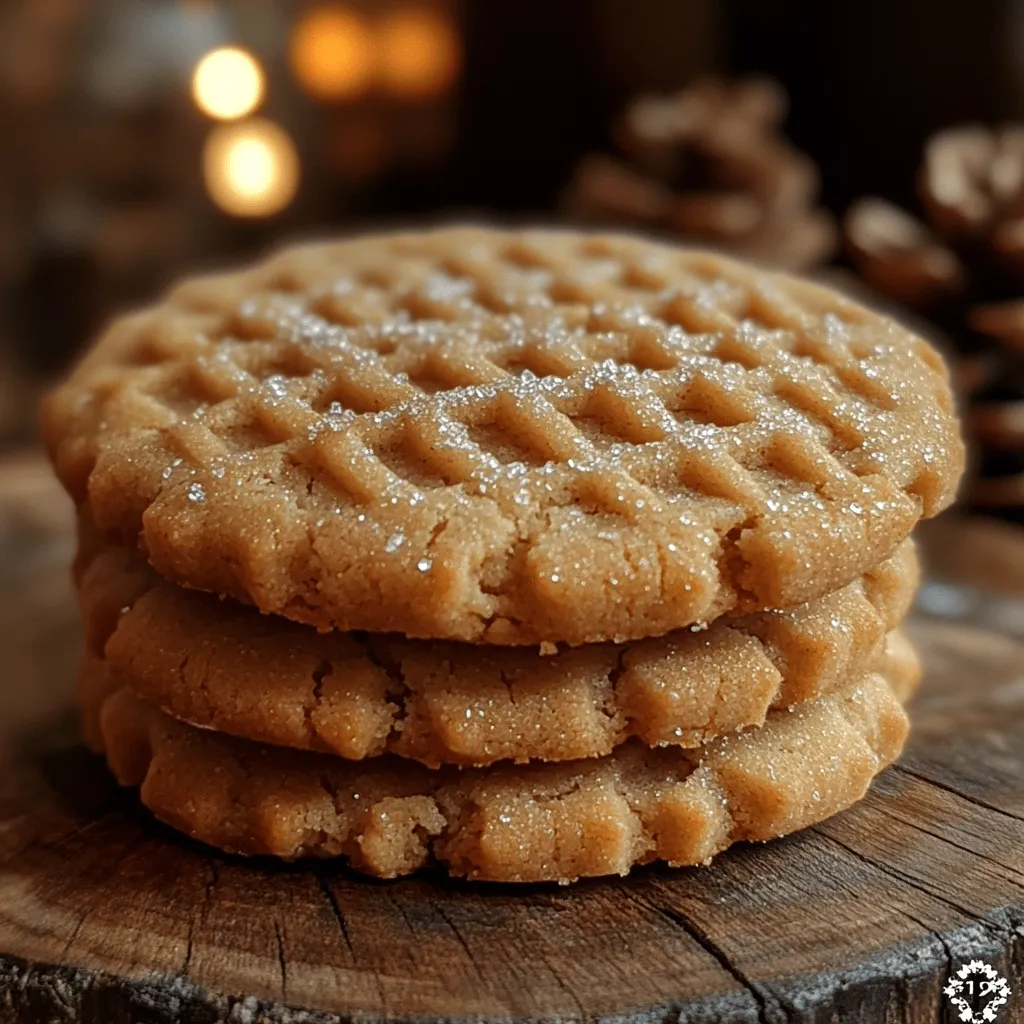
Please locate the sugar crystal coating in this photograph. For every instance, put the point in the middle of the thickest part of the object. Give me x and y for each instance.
(220, 665)
(507, 437)
(537, 822)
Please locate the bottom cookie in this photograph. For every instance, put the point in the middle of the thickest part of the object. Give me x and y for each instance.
(509, 823)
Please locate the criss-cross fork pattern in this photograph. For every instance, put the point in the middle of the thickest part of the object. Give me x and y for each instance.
(554, 379)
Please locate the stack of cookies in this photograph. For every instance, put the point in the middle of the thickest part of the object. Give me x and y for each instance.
(535, 554)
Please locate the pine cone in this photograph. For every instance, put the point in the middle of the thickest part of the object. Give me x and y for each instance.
(962, 264)
(995, 419)
(972, 186)
(709, 164)
(899, 256)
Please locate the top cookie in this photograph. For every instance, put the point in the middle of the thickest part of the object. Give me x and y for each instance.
(507, 437)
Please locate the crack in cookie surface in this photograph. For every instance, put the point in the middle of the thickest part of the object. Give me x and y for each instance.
(221, 665)
(538, 822)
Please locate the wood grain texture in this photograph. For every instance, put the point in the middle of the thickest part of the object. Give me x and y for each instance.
(108, 917)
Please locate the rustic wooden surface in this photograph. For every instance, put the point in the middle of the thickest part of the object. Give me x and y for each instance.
(107, 917)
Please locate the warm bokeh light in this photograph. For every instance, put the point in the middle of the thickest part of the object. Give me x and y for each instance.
(419, 52)
(333, 52)
(251, 168)
(227, 83)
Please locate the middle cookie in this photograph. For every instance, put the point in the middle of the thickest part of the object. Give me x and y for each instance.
(224, 666)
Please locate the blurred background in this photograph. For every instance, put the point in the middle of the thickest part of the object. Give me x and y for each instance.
(878, 145)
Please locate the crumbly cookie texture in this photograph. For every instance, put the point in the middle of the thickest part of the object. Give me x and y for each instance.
(507, 437)
(221, 665)
(538, 822)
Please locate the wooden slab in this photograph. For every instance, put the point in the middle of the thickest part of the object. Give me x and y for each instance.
(108, 917)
